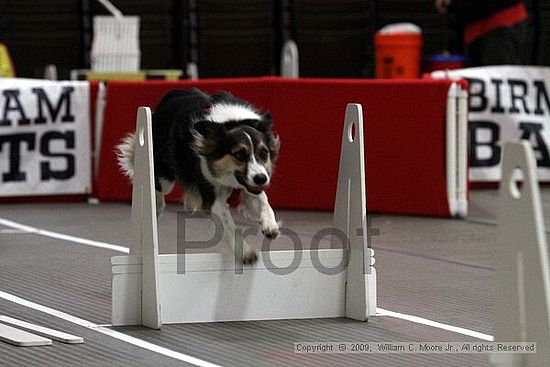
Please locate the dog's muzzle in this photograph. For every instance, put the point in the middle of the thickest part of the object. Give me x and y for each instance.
(259, 186)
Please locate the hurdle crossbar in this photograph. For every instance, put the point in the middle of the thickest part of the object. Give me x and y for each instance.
(148, 290)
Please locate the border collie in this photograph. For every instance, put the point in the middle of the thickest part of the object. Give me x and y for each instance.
(212, 145)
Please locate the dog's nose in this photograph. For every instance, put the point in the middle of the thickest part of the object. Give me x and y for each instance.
(260, 179)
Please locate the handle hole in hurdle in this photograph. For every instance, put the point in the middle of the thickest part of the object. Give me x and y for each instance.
(515, 183)
(351, 132)
(141, 137)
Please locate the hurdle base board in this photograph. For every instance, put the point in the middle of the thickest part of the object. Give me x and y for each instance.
(21, 338)
(41, 330)
(210, 290)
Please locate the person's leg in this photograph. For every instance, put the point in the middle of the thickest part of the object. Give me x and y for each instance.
(503, 46)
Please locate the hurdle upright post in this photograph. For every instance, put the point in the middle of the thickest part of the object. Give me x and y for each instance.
(144, 220)
(350, 217)
(522, 307)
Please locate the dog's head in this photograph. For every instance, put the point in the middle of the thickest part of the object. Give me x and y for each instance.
(238, 154)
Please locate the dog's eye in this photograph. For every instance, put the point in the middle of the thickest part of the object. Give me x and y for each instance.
(241, 155)
(264, 154)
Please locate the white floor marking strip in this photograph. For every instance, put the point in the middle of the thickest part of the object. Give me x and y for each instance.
(64, 237)
(112, 333)
(41, 330)
(435, 324)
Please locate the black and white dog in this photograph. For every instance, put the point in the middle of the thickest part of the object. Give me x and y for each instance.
(212, 145)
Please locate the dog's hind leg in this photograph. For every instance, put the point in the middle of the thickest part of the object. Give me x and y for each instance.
(257, 208)
(162, 188)
(192, 199)
(161, 204)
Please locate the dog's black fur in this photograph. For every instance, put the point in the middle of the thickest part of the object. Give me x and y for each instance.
(212, 145)
(174, 140)
(177, 120)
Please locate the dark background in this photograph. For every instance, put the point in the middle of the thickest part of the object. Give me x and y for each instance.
(238, 37)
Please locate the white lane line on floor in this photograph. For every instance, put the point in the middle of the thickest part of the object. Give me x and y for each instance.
(112, 333)
(61, 236)
(13, 231)
(435, 324)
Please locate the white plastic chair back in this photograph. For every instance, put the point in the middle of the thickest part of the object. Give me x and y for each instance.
(115, 46)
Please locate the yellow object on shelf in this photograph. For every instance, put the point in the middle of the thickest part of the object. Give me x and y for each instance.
(6, 66)
(160, 74)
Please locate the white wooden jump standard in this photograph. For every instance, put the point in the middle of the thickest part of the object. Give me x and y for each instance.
(522, 306)
(147, 289)
(144, 221)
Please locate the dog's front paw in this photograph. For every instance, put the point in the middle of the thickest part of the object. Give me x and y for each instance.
(271, 231)
(250, 256)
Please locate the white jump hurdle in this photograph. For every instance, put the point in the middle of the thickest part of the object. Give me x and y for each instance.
(522, 306)
(147, 289)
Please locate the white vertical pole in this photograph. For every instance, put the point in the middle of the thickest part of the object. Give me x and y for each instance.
(290, 63)
(144, 219)
(99, 119)
(350, 215)
(522, 307)
(50, 72)
(192, 71)
(462, 153)
(111, 8)
(451, 148)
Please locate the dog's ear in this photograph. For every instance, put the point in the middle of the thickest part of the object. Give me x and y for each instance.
(222, 96)
(274, 145)
(265, 124)
(208, 135)
(209, 129)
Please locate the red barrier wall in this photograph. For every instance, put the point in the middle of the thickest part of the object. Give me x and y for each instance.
(404, 138)
(404, 143)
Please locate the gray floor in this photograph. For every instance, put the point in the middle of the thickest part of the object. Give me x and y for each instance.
(439, 269)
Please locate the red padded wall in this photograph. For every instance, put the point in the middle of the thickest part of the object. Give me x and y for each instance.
(404, 143)
(404, 138)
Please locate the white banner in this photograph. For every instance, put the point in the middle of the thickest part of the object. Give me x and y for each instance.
(44, 137)
(506, 103)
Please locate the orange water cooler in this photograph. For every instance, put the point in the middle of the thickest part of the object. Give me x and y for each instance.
(398, 54)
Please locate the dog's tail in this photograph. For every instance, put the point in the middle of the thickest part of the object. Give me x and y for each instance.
(125, 155)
